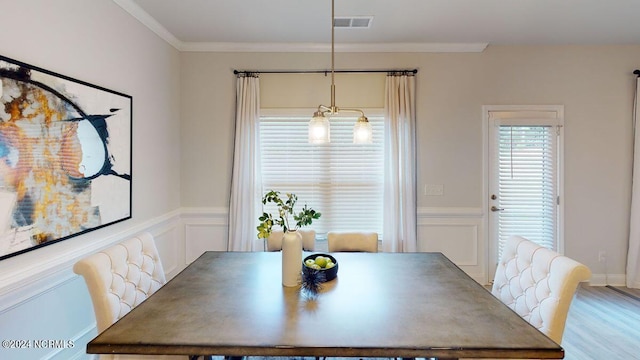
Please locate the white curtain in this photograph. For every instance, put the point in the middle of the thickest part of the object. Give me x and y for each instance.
(244, 202)
(633, 256)
(399, 224)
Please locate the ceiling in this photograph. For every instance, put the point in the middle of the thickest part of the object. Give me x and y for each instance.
(285, 25)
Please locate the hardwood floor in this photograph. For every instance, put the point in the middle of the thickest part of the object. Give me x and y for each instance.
(603, 324)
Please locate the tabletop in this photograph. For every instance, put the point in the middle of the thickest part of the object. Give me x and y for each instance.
(380, 305)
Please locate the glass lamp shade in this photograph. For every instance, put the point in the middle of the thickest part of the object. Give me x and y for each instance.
(362, 132)
(319, 130)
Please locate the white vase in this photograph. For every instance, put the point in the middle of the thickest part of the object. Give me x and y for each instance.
(291, 258)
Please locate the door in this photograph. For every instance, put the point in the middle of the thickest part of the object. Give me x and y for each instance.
(525, 178)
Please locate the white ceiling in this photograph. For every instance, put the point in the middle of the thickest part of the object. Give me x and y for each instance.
(420, 24)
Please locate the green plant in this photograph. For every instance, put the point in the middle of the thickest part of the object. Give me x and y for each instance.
(285, 208)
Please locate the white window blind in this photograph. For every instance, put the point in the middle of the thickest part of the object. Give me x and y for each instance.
(527, 169)
(342, 180)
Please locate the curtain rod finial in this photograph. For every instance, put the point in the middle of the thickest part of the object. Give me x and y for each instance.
(637, 72)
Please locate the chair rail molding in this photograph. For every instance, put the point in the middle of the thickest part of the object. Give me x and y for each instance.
(449, 212)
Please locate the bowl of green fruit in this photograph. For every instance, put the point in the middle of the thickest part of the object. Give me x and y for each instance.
(324, 263)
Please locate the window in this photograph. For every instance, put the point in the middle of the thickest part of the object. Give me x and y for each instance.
(527, 175)
(342, 180)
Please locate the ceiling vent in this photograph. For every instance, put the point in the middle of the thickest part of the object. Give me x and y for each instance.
(360, 22)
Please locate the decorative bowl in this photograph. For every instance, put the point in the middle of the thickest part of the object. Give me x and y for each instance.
(330, 273)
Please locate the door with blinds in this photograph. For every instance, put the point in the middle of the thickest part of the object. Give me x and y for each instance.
(525, 178)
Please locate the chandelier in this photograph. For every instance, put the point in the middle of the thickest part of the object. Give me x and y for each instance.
(319, 127)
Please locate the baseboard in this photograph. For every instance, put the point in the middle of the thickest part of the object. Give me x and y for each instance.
(608, 279)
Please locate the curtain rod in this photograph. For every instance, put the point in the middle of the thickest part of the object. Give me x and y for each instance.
(245, 72)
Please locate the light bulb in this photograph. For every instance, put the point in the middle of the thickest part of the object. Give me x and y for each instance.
(319, 129)
(362, 131)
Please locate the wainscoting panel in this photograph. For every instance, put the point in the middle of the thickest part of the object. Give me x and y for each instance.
(459, 234)
(169, 238)
(61, 314)
(458, 241)
(205, 230)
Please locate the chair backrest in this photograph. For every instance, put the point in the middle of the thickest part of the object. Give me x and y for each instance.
(274, 241)
(352, 241)
(121, 277)
(538, 284)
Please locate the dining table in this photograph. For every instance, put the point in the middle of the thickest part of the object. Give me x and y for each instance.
(395, 305)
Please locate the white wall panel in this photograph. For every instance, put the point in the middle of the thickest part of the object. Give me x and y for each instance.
(205, 230)
(458, 233)
(458, 241)
(59, 312)
(170, 243)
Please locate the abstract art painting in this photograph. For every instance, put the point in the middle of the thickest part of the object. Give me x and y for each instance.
(65, 157)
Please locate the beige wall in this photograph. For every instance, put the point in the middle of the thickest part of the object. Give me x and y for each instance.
(595, 84)
(353, 90)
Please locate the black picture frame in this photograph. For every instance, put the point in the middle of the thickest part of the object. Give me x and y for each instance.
(65, 157)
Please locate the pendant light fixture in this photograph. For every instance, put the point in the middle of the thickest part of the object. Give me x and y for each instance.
(319, 127)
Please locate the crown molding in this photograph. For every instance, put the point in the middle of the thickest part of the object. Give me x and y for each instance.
(137, 12)
(321, 47)
(147, 20)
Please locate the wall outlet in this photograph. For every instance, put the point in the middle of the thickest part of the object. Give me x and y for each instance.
(602, 256)
(433, 189)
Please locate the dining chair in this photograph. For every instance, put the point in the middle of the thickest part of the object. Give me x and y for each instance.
(121, 277)
(274, 241)
(538, 284)
(352, 241)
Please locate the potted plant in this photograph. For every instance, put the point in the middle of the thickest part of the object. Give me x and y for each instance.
(291, 241)
(285, 209)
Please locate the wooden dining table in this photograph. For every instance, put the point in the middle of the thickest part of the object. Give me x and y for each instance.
(380, 305)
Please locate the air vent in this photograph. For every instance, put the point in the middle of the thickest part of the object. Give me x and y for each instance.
(359, 22)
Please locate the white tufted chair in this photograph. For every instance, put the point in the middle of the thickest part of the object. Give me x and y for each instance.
(120, 278)
(352, 241)
(538, 284)
(274, 241)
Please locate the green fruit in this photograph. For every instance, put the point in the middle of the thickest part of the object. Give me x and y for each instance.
(321, 261)
(316, 266)
(309, 262)
(329, 265)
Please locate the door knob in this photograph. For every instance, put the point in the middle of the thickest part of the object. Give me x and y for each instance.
(494, 208)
